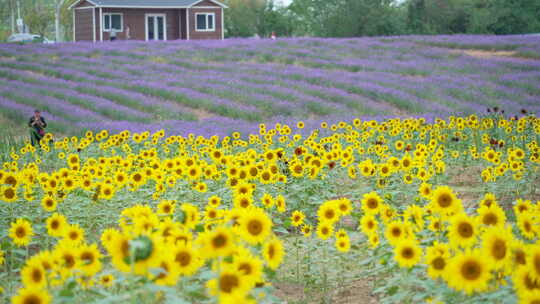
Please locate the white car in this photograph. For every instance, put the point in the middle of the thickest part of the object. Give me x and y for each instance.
(28, 38)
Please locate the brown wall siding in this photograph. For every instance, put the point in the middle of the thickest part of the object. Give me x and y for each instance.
(135, 19)
(193, 34)
(183, 29)
(83, 25)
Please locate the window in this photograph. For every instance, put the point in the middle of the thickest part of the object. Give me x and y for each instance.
(113, 22)
(205, 22)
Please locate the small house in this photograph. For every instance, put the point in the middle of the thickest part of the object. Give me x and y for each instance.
(96, 20)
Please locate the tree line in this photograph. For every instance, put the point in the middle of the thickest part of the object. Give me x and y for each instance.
(321, 18)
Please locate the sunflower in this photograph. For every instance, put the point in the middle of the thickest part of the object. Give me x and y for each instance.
(297, 218)
(106, 280)
(168, 272)
(33, 275)
(306, 230)
(463, 231)
(8, 194)
(214, 201)
(56, 225)
(166, 207)
(425, 190)
(525, 222)
(492, 215)
(28, 295)
(90, 256)
(369, 224)
(255, 226)
(374, 240)
(496, 245)
(248, 265)
(407, 253)
(436, 262)
(186, 258)
(444, 201)
(21, 232)
(328, 212)
(74, 233)
(273, 253)
(533, 261)
(522, 206)
(325, 230)
(343, 244)
(229, 285)
(523, 282)
(395, 231)
(488, 200)
(468, 271)
(48, 203)
(344, 206)
(371, 203)
(280, 203)
(243, 201)
(267, 201)
(218, 242)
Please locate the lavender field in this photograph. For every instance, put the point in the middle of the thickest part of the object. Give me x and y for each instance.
(215, 87)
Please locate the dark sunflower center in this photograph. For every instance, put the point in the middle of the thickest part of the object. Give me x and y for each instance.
(471, 270)
(219, 241)
(396, 232)
(407, 253)
(271, 252)
(329, 214)
(228, 282)
(37, 276)
(246, 268)
(465, 230)
(87, 257)
(372, 203)
(20, 232)
(445, 200)
(32, 299)
(9, 193)
(438, 263)
(490, 219)
(498, 249)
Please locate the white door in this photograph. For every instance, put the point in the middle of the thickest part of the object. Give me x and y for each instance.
(156, 27)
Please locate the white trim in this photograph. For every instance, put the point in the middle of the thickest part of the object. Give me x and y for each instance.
(94, 25)
(222, 27)
(110, 22)
(77, 3)
(213, 1)
(84, 7)
(213, 29)
(73, 27)
(100, 24)
(187, 24)
(155, 26)
(206, 7)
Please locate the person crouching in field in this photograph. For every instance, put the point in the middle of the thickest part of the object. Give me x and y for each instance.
(37, 126)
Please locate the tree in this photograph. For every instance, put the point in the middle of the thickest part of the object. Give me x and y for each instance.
(38, 20)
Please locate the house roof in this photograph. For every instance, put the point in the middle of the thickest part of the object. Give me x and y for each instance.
(145, 3)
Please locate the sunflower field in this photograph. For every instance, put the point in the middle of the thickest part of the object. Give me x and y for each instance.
(442, 211)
